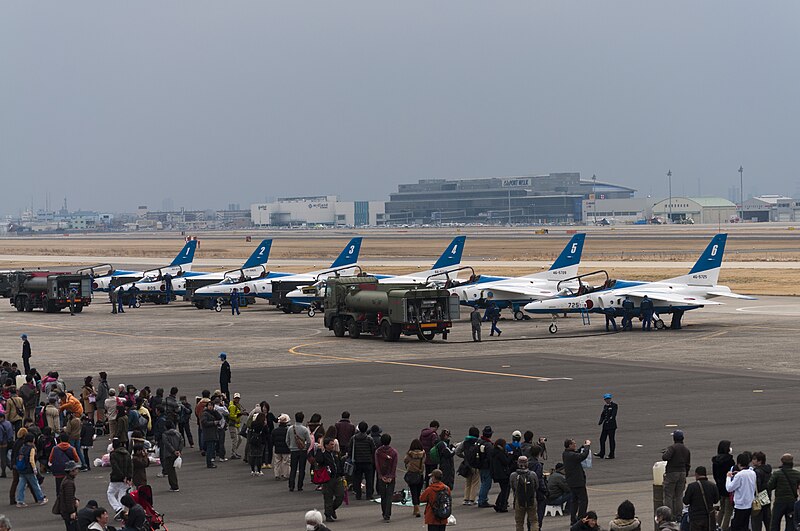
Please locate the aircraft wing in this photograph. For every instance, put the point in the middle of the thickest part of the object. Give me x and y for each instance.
(732, 295)
(671, 298)
(518, 292)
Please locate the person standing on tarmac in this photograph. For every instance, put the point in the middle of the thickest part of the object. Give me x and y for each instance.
(224, 374)
(475, 320)
(494, 316)
(73, 293)
(610, 314)
(647, 313)
(235, 302)
(26, 353)
(627, 314)
(113, 295)
(167, 288)
(576, 477)
(121, 300)
(132, 296)
(608, 420)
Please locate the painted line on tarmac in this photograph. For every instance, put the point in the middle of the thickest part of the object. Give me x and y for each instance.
(295, 351)
(115, 334)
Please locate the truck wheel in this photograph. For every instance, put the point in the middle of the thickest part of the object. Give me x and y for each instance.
(338, 327)
(78, 308)
(386, 331)
(29, 305)
(354, 329)
(48, 305)
(396, 331)
(518, 315)
(19, 303)
(426, 336)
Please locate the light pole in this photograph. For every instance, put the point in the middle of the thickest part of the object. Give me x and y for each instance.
(669, 174)
(594, 197)
(741, 194)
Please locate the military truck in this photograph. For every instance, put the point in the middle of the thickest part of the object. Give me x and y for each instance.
(48, 290)
(360, 305)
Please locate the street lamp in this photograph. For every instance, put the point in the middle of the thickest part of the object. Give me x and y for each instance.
(741, 194)
(669, 174)
(594, 196)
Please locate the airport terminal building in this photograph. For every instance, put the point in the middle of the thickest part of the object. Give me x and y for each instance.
(552, 198)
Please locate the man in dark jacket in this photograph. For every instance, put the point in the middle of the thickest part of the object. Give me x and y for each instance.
(646, 307)
(209, 423)
(701, 496)
(475, 321)
(720, 465)
(30, 397)
(608, 420)
(362, 452)
(172, 406)
(576, 477)
(26, 353)
(86, 515)
(587, 523)
(173, 444)
(344, 431)
(67, 503)
(486, 447)
(784, 482)
(224, 375)
(121, 475)
(762, 518)
(333, 489)
(428, 437)
(678, 459)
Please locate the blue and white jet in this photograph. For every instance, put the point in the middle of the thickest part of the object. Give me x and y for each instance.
(152, 286)
(262, 287)
(516, 292)
(686, 292)
(182, 263)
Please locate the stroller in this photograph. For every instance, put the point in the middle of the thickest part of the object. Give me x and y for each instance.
(144, 497)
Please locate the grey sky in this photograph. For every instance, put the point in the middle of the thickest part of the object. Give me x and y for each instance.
(119, 104)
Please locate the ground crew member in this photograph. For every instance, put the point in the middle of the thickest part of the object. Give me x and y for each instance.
(235, 302)
(494, 315)
(475, 320)
(627, 315)
(676, 319)
(113, 295)
(167, 288)
(26, 355)
(132, 295)
(121, 300)
(647, 313)
(608, 420)
(72, 294)
(610, 318)
(224, 375)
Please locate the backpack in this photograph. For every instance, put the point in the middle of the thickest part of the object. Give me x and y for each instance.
(525, 489)
(433, 454)
(474, 454)
(23, 458)
(60, 459)
(443, 504)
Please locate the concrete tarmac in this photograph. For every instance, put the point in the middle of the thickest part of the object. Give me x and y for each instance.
(728, 374)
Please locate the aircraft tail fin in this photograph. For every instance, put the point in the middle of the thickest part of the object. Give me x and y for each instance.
(186, 256)
(706, 270)
(452, 254)
(567, 263)
(349, 254)
(260, 255)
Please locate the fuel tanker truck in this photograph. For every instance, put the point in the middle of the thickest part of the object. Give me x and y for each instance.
(361, 305)
(49, 291)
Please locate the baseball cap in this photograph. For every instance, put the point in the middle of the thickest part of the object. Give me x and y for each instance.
(222, 355)
(677, 435)
(516, 434)
(237, 395)
(607, 395)
(24, 336)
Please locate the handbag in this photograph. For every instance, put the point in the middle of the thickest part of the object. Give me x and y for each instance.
(349, 467)
(412, 478)
(178, 463)
(56, 509)
(321, 475)
(756, 507)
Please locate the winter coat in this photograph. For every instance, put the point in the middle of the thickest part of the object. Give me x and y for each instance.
(209, 422)
(279, 440)
(618, 524)
(500, 465)
(140, 464)
(56, 460)
(66, 498)
(171, 442)
(122, 428)
(386, 462)
(29, 396)
(556, 486)
(331, 460)
(415, 461)
(700, 496)
(678, 458)
(87, 434)
(121, 465)
(428, 438)
(102, 394)
(344, 432)
(446, 464)
(73, 429)
(669, 526)
(573, 470)
(362, 448)
(783, 488)
(428, 497)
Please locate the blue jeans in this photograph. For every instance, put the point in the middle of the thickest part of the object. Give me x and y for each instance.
(77, 445)
(28, 479)
(211, 452)
(486, 484)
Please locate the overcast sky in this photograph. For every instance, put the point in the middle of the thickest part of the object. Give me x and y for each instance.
(119, 104)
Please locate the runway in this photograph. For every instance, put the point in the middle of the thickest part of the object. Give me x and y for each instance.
(728, 374)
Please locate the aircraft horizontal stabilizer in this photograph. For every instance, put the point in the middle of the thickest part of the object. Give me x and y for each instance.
(732, 295)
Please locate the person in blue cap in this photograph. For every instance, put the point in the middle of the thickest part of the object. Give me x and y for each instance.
(224, 375)
(608, 420)
(26, 353)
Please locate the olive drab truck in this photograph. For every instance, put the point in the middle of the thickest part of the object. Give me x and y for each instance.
(360, 305)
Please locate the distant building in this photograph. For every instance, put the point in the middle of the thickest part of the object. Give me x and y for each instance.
(556, 197)
(770, 208)
(627, 210)
(697, 209)
(317, 210)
